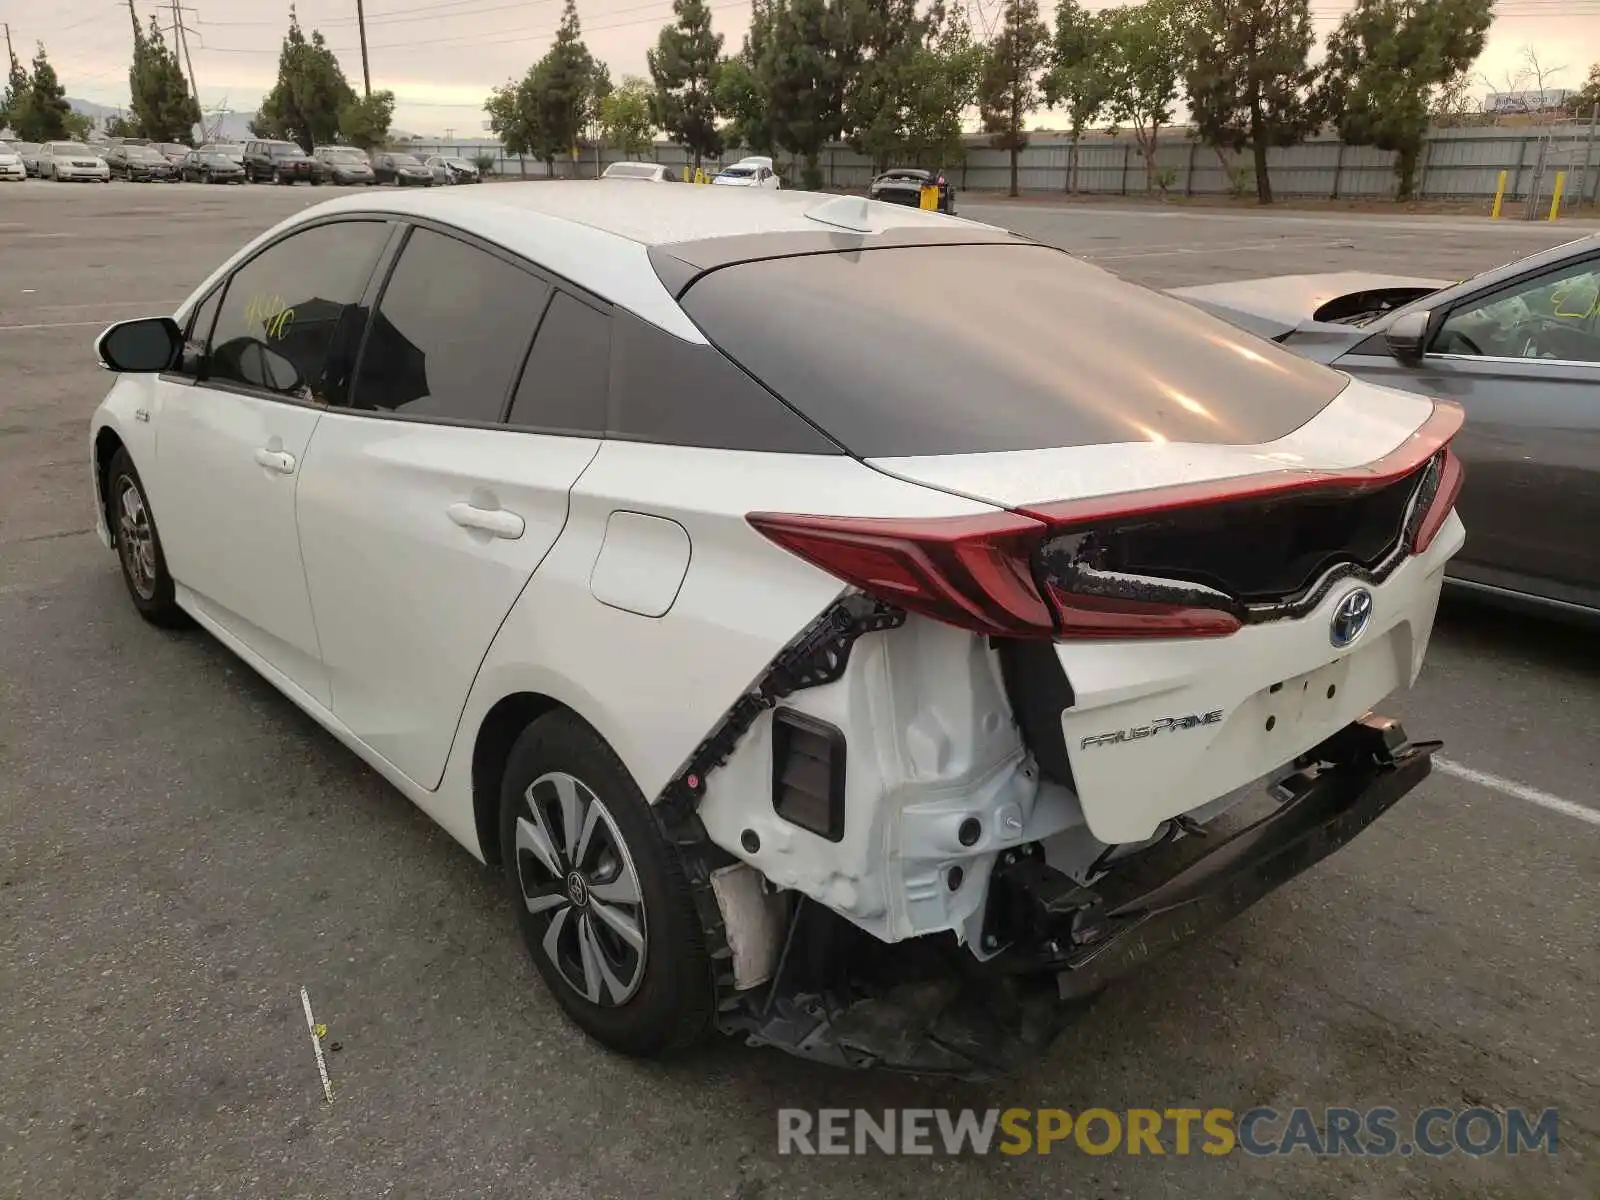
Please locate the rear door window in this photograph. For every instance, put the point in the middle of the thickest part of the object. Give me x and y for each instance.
(449, 332)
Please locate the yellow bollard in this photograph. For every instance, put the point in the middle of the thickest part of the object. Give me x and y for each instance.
(1555, 197)
(1499, 196)
(688, 174)
(929, 198)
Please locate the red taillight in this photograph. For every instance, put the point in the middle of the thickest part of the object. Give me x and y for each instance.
(971, 572)
(977, 572)
(1451, 474)
(1080, 616)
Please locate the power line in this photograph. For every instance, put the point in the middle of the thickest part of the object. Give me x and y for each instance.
(501, 36)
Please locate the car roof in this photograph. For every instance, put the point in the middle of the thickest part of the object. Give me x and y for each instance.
(510, 212)
(619, 243)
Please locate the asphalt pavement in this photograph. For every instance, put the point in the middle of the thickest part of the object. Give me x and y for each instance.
(183, 851)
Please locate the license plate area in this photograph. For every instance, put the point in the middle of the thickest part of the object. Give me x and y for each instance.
(1186, 736)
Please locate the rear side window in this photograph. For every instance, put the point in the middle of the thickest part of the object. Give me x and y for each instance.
(970, 348)
(563, 387)
(288, 320)
(450, 330)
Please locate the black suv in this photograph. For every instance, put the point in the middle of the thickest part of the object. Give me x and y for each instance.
(280, 162)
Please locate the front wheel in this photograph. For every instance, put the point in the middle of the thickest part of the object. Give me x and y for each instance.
(138, 545)
(599, 894)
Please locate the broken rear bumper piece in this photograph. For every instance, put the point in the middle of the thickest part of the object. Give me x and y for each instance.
(929, 1006)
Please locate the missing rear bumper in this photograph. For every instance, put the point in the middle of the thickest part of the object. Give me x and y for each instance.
(928, 1006)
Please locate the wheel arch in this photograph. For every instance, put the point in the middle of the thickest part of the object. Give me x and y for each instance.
(499, 730)
(107, 441)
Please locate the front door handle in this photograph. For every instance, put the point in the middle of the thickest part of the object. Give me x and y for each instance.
(497, 521)
(276, 460)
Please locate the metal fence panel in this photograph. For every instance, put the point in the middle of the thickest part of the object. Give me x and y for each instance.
(1457, 164)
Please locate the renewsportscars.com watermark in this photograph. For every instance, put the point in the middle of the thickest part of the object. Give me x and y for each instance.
(1259, 1132)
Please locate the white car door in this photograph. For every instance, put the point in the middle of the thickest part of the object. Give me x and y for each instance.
(234, 424)
(423, 511)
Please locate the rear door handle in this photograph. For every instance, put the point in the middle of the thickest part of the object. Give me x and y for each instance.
(497, 521)
(276, 460)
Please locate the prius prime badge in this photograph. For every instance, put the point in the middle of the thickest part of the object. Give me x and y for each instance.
(1350, 618)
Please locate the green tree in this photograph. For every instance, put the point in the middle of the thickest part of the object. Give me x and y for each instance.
(812, 55)
(683, 70)
(743, 87)
(13, 99)
(1588, 97)
(546, 112)
(311, 91)
(1384, 61)
(942, 83)
(162, 105)
(1009, 89)
(43, 113)
(364, 120)
(1142, 49)
(78, 125)
(877, 100)
(1248, 80)
(1075, 80)
(568, 84)
(625, 117)
(510, 108)
(118, 125)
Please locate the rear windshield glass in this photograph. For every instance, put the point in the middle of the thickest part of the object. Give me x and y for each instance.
(963, 349)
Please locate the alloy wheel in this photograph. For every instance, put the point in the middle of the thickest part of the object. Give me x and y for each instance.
(577, 875)
(136, 540)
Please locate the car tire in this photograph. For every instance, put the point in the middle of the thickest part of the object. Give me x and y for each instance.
(138, 545)
(643, 993)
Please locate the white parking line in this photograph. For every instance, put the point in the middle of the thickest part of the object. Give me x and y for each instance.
(50, 325)
(1519, 791)
(316, 1045)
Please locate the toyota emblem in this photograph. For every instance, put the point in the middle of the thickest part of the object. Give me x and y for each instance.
(1350, 618)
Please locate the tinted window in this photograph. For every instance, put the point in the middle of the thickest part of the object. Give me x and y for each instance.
(1553, 315)
(198, 335)
(450, 330)
(287, 319)
(680, 393)
(563, 387)
(958, 349)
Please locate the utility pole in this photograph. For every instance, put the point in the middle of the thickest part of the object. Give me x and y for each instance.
(10, 53)
(183, 44)
(366, 74)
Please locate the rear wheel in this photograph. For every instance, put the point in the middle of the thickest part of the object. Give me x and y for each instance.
(599, 895)
(138, 544)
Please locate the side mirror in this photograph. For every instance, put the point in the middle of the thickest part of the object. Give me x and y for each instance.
(1407, 335)
(143, 345)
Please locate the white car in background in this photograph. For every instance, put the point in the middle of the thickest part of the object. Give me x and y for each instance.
(68, 161)
(11, 165)
(642, 172)
(832, 673)
(753, 172)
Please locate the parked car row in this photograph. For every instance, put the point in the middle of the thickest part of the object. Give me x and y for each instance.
(258, 161)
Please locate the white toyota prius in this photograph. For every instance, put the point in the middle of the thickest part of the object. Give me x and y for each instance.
(856, 630)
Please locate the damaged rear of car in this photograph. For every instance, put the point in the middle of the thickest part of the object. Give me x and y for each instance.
(1122, 695)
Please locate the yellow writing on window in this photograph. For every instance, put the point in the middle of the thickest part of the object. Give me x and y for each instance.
(271, 313)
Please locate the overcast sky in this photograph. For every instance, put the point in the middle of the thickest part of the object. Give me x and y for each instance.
(440, 57)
